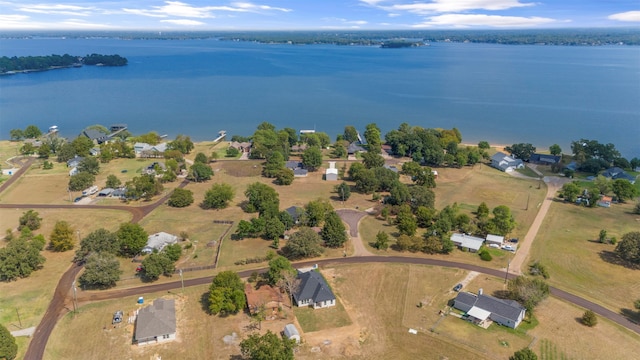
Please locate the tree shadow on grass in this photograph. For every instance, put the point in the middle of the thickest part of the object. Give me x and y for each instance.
(613, 258)
(204, 302)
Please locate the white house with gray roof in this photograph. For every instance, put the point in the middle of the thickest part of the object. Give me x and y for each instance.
(158, 241)
(481, 307)
(156, 323)
(313, 291)
(505, 162)
(467, 242)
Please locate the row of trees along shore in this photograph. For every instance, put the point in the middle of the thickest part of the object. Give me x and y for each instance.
(39, 63)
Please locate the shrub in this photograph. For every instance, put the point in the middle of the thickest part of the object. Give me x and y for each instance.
(485, 255)
(589, 318)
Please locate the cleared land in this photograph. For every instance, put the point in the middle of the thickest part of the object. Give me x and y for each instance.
(380, 311)
(567, 245)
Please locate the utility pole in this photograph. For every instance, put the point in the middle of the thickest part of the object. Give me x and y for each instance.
(182, 281)
(19, 320)
(75, 297)
(507, 273)
(528, 196)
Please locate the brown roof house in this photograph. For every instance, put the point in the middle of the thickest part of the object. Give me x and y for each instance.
(156, 323)
(268, 296)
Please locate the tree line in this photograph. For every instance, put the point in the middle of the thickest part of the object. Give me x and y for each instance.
(37, 63)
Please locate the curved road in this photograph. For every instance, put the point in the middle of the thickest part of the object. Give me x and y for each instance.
(60, 301)
(602, 311)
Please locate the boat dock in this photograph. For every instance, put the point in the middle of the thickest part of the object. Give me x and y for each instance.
(221, 135)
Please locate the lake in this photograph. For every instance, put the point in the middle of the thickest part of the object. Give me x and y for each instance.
(500, 93)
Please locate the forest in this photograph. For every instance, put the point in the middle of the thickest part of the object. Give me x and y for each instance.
(50, 62)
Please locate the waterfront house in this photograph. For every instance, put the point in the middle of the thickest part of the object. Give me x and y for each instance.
(506, 163)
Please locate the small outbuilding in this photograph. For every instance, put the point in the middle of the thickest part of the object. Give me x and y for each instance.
(291, 332)
(331, 174)
(495, 239)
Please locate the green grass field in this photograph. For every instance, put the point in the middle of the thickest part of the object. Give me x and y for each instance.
(567, 245)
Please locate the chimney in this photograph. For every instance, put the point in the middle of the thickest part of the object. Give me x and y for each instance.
(480, 291)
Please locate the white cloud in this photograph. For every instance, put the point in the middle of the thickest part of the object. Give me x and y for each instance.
(57, 9)
(185, 22)
(180, 9)
(631, 16)
(343, 22)
(444, 6)
(12, 18)
(79, 24)
(465, 20)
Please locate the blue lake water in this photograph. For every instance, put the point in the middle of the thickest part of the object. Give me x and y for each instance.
(505, 94)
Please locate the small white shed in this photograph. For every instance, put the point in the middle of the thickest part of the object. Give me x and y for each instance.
(291, 332)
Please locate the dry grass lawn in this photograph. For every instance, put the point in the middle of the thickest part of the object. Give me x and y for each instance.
(567, 245)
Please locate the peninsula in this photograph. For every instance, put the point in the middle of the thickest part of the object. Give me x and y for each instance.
(26, 64)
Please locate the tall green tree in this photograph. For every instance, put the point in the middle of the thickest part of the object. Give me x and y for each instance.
(180, 198)
(521, 151)
(302, 244)
(273, 229)
(218, 196)
(98, 241)
(131, 239)
(570, 191)
(21, 256)
(201, 158)
(62, 237)
(382, 241)
(32, 132)
(528, 291)
(263, 199)
(157, 264)
(90, 165)
(81, 181)
(9, 348)
(200, 172)
(372, 137)
(267, 347)
(343, 190)
(350, 134)
(113, 181)
(16, 134)
(316, 212)
(101, 271)
(277, 267)
(274, 163)
(628, 248)
(372, 160)
(182, 143)
(226, 294)
(503, 221)
(333, 232)
(624, 190)
(312, 158)
(555, 149)
(405, 221)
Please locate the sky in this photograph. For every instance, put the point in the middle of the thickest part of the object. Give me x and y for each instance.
(164, 15)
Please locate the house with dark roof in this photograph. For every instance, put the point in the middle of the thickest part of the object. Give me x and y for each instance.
(75, 161)
(96, 136)
(506, 163)
(480, 307)
(354, 147)
(544, 159)
(313, 291)
(616, 173)
(156, 323)
(295, 212)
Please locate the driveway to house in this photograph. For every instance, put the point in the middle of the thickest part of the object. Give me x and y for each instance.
(352, 218)
(24, 167)
(554, 183)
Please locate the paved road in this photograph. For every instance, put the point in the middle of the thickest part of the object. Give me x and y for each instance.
(352, 218)
(60, 300)
(90, 296)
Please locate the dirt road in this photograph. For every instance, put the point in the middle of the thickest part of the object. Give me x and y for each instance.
(554, 184)
(17, 174)
(61, 301)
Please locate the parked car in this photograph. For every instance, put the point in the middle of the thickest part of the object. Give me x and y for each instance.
(457, 287)
(514, 240)
(508, 248)
(117, 317)
(77, 199)
(495, 246)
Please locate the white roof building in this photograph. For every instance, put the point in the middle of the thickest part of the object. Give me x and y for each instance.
(495, 239)
(158, 241)
(467, 241)
(331, 174)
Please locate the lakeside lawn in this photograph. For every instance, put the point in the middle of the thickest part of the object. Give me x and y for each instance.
(567, 245)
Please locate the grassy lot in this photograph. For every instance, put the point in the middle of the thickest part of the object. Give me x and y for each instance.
(567, 245)
(528, 172)
(380, 309)
(331, 318)
(8, 149)
(31, 296)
